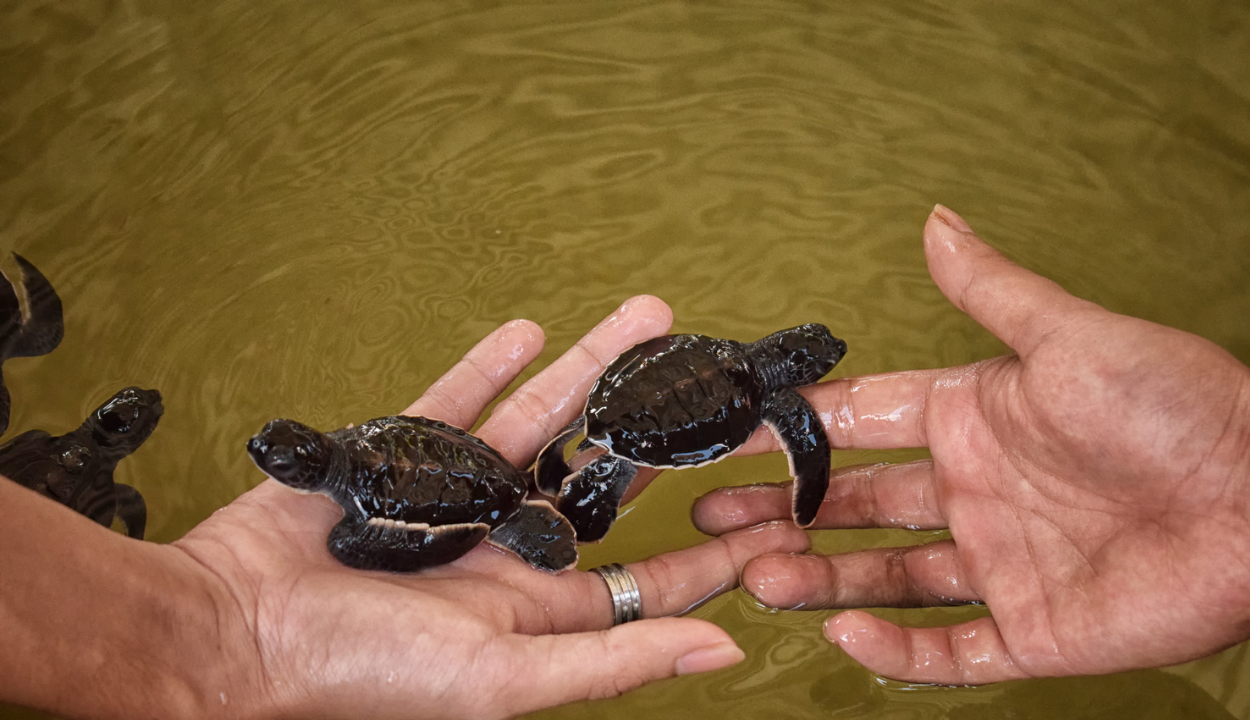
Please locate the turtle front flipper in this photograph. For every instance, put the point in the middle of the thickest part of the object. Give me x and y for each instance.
(591, 498)
(37, 334)
(541, 536)
(803, 437)
(131, 510)
(10, 315)
(379, 544)
(41, 332)
(10, 328)
(4, 405)
(550, 470)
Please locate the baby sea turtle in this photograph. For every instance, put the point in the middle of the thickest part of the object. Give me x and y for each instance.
(36, 333)
(415, 492)
(681, 401)
(76, 469)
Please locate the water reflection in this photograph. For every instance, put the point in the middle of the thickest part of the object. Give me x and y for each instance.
(278, 209)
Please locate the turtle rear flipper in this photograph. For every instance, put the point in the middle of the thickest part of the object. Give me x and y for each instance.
(132, 510)
(385, 545)
(540, 535)
(803, 438)
(41, 331)
(592, 496)
(10, 328)
(550, 470)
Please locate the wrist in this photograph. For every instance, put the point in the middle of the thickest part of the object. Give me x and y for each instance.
(203, 660)
(96, 625)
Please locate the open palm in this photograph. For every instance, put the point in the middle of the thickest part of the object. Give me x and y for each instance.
(487, 635)
(1095, 485)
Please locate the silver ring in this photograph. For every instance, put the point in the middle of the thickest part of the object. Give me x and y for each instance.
(626, 598)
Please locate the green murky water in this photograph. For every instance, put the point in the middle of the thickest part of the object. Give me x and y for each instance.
(312, 210)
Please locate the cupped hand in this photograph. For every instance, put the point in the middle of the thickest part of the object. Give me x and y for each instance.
(1095, 484)
(487, 635)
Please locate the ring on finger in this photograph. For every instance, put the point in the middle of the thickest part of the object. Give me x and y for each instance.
(626, 597)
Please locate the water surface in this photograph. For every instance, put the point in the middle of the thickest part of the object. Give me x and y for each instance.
(312, 210)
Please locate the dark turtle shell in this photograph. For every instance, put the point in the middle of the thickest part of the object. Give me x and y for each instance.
(415, 492)
(676, 401)
(417, 470)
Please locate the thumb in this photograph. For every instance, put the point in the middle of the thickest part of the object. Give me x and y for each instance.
(1018, 306)
(546, 670)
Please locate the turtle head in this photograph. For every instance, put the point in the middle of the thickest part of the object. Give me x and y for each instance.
(293, 454)
(125, 420)
(806, 353)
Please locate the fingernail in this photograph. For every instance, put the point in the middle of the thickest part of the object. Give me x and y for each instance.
(707, 659)
(945, 232)
(951, 218)
(845, 628)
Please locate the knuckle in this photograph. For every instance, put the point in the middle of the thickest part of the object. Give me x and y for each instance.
(584, 350)
(660, 577)
(529, 405)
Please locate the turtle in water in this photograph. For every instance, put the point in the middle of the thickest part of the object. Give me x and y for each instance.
(38, 332)
(415, 492)
(76, 469)
(680, 401)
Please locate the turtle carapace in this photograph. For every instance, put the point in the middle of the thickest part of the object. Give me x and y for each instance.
(415, 492)
(679, 401)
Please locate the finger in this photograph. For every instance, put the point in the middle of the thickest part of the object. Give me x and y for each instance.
(546, 670)
(523, 423)
(677, 582)
(967, 654)
(1019, 307)
(868, 412)
(669, 584)
(460, 395)
(917, 576)
(901, 495)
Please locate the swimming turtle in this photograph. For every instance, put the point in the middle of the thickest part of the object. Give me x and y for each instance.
(679, 401)
(38, 332)
(76, 469)
(415, 492)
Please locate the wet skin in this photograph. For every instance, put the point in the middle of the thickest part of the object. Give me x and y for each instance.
(249, 615)
(1096, 485)
(76, 469)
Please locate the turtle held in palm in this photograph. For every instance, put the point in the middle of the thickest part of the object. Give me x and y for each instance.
(76, 469)
(38, 332)
(415, 492)
(681, 401)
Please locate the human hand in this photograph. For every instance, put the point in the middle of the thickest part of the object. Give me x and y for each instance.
(1095, 485)
(487, 635)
